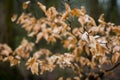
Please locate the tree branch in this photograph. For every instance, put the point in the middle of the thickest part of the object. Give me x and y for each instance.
(115, 66)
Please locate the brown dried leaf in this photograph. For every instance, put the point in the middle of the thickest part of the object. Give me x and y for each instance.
(51, 13)
(76, 12)
(25, 4)
(33, 65)
(61, 78)
(82, 21)
(85, 36)
(68, 78)
(51, 39)
(43, 7)
(87, 50)
(92, 42)
(65, 16)
(115, 57)
(24, 49)
(34, 68)
(66, 13)
(5, 50)
(76, 78)
(116, 30)
(101, 19)
(14, 17)
(39, 37)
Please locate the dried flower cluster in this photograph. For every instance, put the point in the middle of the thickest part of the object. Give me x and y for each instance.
(89, 46)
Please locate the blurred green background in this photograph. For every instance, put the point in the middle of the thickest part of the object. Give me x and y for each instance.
(12, 34)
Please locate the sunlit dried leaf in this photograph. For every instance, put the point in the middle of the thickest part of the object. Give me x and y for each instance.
(90, 20)
(61, 78)
(14, 17)
(68, 79)
(92, 42)
(87, 50)
(82, 21)
(76, 78)
(85, 37)
(65, 16)
(67, 7)
(93, 30)
(34, 68)
(115, 57)
(83, 10)
(25, 4)
(116, 30)
(33, 65)
(5, 50)
(43, 7)
(77, 12)
(39, 36)
(24, 49)
(66, 13)
(116, 49)
(51, 13)
(36, 28)
(31, 34)
(101, 19)
(12, 60)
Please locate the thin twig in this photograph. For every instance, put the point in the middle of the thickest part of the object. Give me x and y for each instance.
(115, 66)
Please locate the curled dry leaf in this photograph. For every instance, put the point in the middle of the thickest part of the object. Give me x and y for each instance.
(33, 65)
(5, 50)
(77, 12)
(13, 61)
(76, 78)
(66, 13)
(14, 17)
(101, 19)
(115, 57)
(24, 49)
(85, 37)
(70, 43)
(51, 13)
(68, 78)
(43, 7)
(116, 48)
(61, 78)
(39, 37)
(87, 50)
(25, 4)
(42, 52)
(116, 30)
